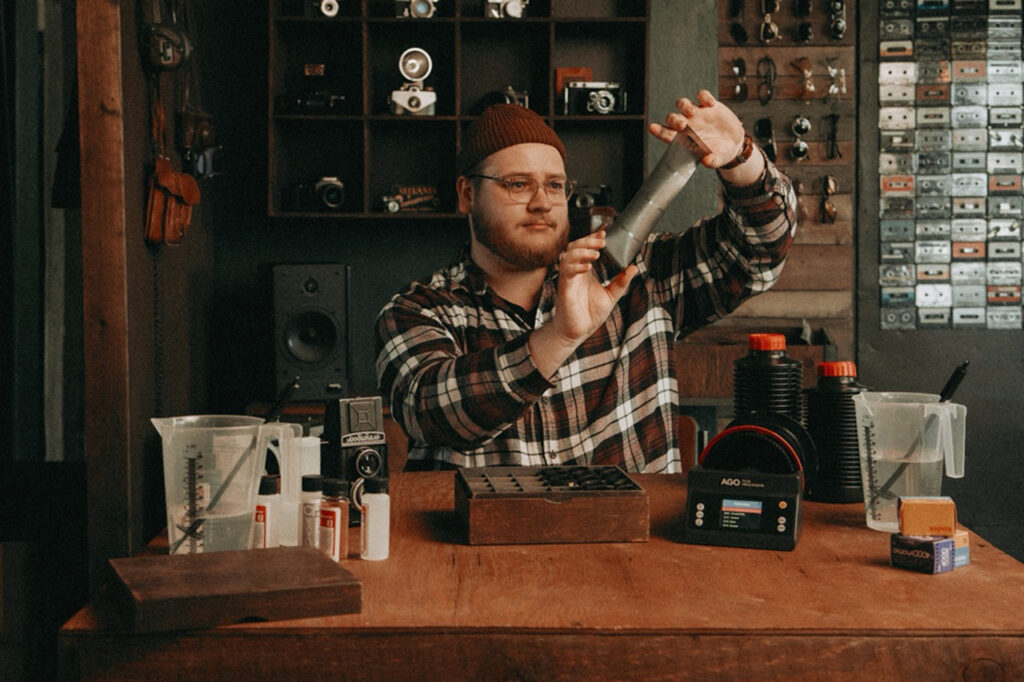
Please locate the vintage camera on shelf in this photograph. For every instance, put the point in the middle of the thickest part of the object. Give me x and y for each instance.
(323, 194)
(582, 98)
(415, 9)
(413, 97)
(321, 8)
(508, 95)
(587, 197)
(411, 198)
(353, 446)
(318, 101)
(505, 9)
(205, 163)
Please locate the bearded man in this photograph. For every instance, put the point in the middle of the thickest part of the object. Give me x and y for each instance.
(533, 350)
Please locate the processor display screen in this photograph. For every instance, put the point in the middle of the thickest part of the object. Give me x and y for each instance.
(741, 514)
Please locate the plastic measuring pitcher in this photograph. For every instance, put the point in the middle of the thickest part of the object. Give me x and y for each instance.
(212, 465)
(903, 440)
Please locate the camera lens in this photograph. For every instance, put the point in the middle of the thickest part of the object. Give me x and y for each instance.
(422, 9)
(602, 102)
(333, 196)
(368, 462)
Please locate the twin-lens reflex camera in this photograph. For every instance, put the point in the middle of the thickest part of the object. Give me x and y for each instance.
(353, 447)
(413, 97)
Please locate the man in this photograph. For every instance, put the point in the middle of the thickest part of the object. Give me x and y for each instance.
(530, 350)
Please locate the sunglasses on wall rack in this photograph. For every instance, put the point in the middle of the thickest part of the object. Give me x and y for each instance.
(739, 71)
(766, 72)
(765, 132)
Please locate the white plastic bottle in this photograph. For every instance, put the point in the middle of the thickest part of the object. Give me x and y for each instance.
(375, 531)
(266, 521)
(309, 510)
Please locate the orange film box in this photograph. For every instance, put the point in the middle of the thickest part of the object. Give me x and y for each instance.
(927, 516)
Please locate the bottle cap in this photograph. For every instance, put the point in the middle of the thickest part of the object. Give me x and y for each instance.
(843, 368)
(375, 485)
(270, 484)
(335, 487)
(312, 483)
(767, 342)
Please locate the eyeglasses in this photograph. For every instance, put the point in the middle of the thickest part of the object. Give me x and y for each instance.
(736, 30)
(521, 189)
(837, 79)
(836, 24)
(829, 186)
(766, 71)
(833, 137)
(739, 69)
(803, 65)
(764, 130)
(769, 29)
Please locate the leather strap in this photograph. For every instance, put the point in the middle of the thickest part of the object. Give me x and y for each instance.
(745, 152)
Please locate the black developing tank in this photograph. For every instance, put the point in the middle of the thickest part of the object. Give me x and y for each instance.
(832, 423)
(766, 379)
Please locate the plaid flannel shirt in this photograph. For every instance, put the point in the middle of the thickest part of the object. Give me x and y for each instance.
(455, 370)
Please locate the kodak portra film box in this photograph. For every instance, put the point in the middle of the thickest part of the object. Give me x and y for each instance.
(922, 553)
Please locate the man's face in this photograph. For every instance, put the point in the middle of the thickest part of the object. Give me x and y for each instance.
(526, 232)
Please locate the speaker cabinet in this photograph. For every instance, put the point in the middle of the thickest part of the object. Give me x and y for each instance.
(311, 334)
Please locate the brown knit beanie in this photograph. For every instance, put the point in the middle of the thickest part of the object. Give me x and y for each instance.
(503, 125)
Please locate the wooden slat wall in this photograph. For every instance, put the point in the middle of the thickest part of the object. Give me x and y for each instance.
(817, 285)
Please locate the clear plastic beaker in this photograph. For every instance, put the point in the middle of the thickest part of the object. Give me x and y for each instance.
(212, 465)
(903, 440)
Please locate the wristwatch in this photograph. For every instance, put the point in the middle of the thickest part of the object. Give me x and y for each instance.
(745, 152)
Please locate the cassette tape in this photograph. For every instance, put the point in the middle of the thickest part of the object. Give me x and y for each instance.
(899, 185)
(897, 297)
(933, 272)
(969, 140)
(893, 319)
(1005, 94)
(933, 295)
(897, 275)
(969, 117)
(969, 70)
(968, 251)
(896, 8)
(934, 185)
(895, 49)
(930, 27)
(933, 208)
(933, 117)
(933, 229)
(894, 164)
(1005, 117)
(938, 251)
(969, 295)
(897, 72)
(1003, 229)
(968, 229)
(1004, 184)
(1002, 319)
(969, 317)
(1005, 207)
(969, 207)
(897, 141)
(1005, 139)
(895, 28)
(932, 49)
(896, 230)
(1003, 162)
(929, 318)
(895, 207)
(969, 93)
(969, 185)
(1000, 251)
(1003, 295)
(969, 162)
(1005, 71)
(967, 273)
(1003, 274)
(896, 118)
(936, 69)
(932, 163)
(896, 252)
(934, 140)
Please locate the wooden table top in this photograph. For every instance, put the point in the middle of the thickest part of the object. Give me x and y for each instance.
(837, 580)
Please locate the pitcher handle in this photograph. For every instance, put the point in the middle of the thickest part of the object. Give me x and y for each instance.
(954, 419)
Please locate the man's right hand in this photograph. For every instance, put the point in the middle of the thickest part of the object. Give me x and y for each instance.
(581, 306)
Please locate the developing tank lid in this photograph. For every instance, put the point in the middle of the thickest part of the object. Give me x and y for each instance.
(843, 368)
(767, 342)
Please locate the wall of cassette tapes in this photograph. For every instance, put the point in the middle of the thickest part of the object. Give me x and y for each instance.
(951, 137)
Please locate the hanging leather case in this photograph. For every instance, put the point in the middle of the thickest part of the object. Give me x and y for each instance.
(171, 198)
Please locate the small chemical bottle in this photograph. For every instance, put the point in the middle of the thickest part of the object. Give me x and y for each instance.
(309, 510)
(375, 531)
(334, 519)
(266, 521)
